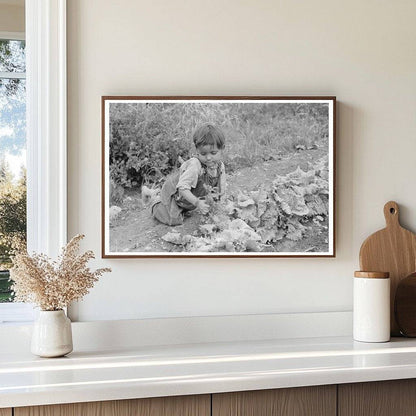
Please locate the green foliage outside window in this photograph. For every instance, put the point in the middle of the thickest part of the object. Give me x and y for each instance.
(12, 223)
(12, 144)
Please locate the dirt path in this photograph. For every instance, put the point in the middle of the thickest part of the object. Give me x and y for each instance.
(135, 229)
(250, 178)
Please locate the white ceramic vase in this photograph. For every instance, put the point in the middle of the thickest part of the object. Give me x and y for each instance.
(52, 334)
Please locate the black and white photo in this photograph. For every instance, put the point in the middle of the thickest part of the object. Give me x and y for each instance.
(218, 176)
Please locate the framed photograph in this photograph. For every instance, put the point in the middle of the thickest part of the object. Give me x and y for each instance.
(218, 177)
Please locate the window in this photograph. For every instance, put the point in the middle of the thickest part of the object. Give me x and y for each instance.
(45, 29)
(12, 153)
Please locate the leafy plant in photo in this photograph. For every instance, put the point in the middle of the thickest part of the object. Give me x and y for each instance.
(257, 220)
(144, 145)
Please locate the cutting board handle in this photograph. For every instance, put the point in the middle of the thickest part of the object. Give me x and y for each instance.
(391, 214)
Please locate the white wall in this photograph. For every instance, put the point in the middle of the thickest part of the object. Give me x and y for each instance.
(361, 51)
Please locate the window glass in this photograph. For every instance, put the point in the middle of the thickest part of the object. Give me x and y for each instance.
(12, 156)
(12, 56)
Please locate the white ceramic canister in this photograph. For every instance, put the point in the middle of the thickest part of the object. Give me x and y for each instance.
(371, 314)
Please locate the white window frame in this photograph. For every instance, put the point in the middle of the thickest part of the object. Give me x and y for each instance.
(46, 127)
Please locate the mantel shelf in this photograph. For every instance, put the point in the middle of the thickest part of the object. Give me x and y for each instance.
(151, 371)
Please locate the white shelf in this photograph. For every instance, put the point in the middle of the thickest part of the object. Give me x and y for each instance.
(150, 371)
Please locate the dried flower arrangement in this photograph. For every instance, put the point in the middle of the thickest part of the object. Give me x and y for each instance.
(53, 285)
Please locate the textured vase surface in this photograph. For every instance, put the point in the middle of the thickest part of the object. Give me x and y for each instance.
(52, 334)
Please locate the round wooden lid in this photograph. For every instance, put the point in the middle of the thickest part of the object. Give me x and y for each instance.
(372, 275)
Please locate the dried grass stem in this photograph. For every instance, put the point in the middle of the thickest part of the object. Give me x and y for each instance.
(53, 285)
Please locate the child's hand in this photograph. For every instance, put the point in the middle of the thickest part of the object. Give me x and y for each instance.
(202, 206)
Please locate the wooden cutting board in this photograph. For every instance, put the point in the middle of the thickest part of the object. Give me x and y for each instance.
(393, 250)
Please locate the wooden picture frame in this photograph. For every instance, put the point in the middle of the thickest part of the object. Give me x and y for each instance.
(278, 163)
